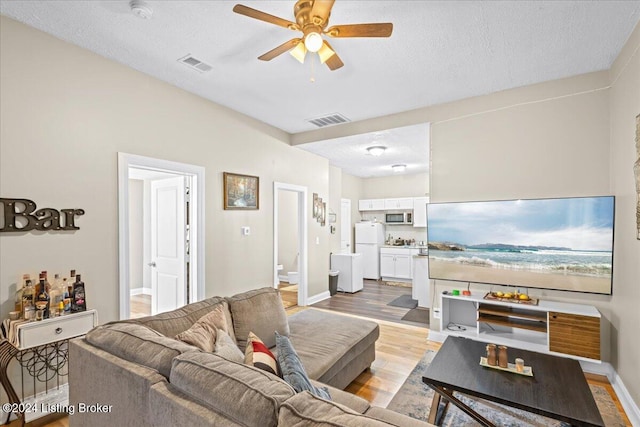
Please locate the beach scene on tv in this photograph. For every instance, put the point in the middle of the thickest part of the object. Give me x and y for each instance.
(564, 244)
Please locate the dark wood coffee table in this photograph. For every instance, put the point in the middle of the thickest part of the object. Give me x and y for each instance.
(558, 388)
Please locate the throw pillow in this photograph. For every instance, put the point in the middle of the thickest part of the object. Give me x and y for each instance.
(203, 333)
(293, 371)
(257, 354)
(226, 348)
(259, 311)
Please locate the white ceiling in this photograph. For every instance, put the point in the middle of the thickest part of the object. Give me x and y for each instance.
(439, 51)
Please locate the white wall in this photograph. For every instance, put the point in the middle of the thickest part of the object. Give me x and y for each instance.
(136, 233)
(288, 231)
(402, 185)
(67, 111)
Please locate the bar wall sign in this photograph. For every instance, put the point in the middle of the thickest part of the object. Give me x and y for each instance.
(23, 215)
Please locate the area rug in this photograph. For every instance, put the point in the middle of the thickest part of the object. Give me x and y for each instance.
(418, 315)
(404, 301)
(414, 399)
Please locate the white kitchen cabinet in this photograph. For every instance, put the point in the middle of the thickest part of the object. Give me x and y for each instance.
(420, 211)
(404, 203)
(396, 263)
(371, 204)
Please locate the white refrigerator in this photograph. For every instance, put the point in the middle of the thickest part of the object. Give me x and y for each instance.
(349, 267)
(369, 238)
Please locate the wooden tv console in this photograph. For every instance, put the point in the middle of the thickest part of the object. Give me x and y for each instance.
(571, 330)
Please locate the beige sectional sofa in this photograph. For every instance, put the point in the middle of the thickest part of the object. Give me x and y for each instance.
(137, 374)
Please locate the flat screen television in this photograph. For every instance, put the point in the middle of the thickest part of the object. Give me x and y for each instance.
(561, 244)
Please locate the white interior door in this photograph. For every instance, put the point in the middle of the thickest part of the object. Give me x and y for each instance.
(345, 226)
(168, 232)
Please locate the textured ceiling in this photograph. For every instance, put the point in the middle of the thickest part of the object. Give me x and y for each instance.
(440, 51)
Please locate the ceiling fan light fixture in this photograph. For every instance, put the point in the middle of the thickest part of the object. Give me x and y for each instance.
(399, 168)
(299, 52)
(313, 41)
(325, 53)
(376, 150)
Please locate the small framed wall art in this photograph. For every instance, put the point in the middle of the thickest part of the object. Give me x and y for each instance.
(241, 191)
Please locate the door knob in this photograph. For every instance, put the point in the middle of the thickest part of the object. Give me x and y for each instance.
(152, 264)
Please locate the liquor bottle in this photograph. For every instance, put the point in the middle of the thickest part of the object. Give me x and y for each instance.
(43, 301)
(55, 294)
(28, 295)
(67, 299)
(46, 281)
(78, 302)
(72, 277)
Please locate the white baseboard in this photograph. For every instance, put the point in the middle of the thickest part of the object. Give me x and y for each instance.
(319, 297)
(283, 278)
(141, 291)
(630, 407)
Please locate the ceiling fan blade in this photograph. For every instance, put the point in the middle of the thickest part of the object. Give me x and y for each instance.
(262, 16)
(333, 62)
(321, 9)
(284, 47)
(361, 30)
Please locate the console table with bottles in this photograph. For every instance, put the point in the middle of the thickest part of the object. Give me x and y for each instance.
(41, 349)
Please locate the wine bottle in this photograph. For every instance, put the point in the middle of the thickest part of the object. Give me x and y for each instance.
(78, 302)
(67, 299)
(28, 295)
(43, 301)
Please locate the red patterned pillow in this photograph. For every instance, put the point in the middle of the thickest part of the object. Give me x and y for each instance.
(257, 354)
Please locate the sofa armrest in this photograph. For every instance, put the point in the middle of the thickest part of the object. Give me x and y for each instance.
(97, 377)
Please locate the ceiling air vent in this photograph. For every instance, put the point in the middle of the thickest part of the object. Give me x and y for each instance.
(196, 64)
(331, 119)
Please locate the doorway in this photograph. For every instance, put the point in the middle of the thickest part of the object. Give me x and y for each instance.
(161, 241)
(290, 239)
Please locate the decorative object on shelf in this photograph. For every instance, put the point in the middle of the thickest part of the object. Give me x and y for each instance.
(503, 358)
(636, 170)
(241, 191)
(519, 365)
(492, 358)
(511, 297)
(526, 370)
(24, 215)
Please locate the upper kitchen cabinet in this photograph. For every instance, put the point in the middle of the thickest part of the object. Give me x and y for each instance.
(420, 211)
(371, 205)
(405, 203)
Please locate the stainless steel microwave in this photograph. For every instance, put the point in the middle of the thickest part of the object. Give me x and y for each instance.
(399, 218)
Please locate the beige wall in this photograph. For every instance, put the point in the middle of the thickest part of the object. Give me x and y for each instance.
(334, 206)
(625, 315)
(352, 189)
(67, 113)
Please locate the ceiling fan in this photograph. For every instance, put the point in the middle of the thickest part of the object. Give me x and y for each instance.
(312, 19)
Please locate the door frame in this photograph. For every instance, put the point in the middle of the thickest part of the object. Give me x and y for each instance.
(302, 237)
(197, 220)
(350, 246)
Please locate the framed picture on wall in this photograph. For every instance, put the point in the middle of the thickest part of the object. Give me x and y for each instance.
(241, 191)
(316, 207)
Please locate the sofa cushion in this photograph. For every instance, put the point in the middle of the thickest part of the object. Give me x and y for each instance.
(226, 348)
(171, 323)
(327, 342)
(138, 344)
(259, 311)
(258, 355)
(202, 334)
(242, 393)
(292, 370)
(305, 409)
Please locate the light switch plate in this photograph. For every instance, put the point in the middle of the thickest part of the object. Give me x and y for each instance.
(246, 231)
(436, 313)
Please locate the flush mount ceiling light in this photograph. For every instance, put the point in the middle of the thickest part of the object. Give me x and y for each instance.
(376, 150)
(141, 9)
(399, 168)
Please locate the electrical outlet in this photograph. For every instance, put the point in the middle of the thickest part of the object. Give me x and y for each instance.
(436, 313)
